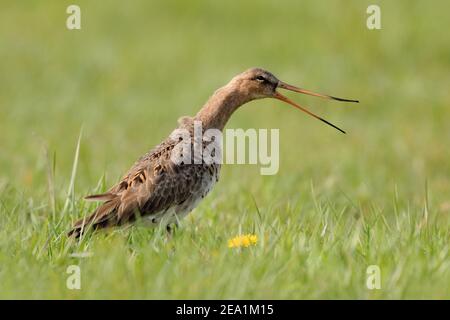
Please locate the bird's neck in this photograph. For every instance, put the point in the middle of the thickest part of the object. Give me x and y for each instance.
(218, 109)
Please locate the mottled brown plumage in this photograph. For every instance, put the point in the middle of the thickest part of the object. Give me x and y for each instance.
(160, 191)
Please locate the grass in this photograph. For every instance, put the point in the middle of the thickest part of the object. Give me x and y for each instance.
(340, 203)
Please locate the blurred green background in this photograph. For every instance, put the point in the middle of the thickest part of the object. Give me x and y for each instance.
(134, 68)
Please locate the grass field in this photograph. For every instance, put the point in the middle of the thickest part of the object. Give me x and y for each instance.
(379, 195)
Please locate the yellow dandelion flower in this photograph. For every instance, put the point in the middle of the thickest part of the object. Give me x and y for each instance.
(243, 241)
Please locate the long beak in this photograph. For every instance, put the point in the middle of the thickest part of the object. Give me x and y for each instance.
(279, 96)
(304, 91)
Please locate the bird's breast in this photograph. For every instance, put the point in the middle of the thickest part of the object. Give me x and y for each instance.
(207, 177)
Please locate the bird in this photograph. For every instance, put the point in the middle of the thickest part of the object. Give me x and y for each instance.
(160, 191)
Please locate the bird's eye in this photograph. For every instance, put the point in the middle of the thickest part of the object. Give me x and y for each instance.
(260, 78)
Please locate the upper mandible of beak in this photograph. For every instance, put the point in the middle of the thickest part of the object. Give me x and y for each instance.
(286, 86)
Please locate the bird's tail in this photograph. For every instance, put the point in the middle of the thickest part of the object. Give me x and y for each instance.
(104, 216)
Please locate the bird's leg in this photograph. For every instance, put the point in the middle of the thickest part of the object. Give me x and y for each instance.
(170, 228)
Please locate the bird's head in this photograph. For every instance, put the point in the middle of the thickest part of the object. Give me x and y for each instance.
(257, 83)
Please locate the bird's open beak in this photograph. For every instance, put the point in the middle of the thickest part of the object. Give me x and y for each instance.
(286, 86)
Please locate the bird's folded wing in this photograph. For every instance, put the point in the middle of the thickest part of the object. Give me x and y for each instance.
(153, 186)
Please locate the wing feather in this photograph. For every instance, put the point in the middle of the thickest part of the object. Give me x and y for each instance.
(152, 185)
